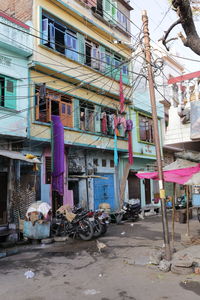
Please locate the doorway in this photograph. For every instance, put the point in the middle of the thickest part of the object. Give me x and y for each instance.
(133, 186)
(73, 185)
(147, 187)
(3, 198)
(55, 108)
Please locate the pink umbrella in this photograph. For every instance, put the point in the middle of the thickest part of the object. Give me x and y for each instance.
(181, 171)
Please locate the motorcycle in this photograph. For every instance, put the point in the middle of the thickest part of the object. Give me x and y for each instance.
(131, 209)
(79, 225)
(98, 219)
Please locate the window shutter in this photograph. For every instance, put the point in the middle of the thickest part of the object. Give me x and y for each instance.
(87, 119)
(81, 48)
(10, 93)
(108, 65)
(70, 47)
(102, 59)
(97, 119)
(45, 24)
(68, 43)
(114, 12)
(37, 107)
(95, 57)
(48, 108)
(142, 129)
(52, 35)
(76, 113)
(125, 74)
(116, 69)
(107, 10)
(65, 111)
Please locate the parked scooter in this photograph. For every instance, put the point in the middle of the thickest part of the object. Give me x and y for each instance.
(79, 225)
(131, 209)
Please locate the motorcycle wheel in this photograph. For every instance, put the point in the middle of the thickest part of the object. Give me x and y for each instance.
(104, 228)
(85, 230)
(119, 218)
(97, 227)
(58, 230)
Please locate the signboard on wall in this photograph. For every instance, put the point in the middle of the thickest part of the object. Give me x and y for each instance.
(147, 149)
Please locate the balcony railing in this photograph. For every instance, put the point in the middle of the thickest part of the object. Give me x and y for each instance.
(184, 89)
(184, 112)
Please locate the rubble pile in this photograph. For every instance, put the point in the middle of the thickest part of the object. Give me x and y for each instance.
(184, 262)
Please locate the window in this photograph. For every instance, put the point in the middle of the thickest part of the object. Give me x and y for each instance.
(92, 55)
(71, 43)
(122, 20)
(146, 129)
(47, 170)
(112, 163)
(96, 118)
(87, 116)
(59, 37)
(95, 162)
(116, 67)
(8, 92)
(99, 8)
(49, 102)
(103, 162)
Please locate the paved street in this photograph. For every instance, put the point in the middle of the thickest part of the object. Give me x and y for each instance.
(75, 269)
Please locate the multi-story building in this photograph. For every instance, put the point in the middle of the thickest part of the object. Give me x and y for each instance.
(144, 152)
(74, 73)
(183, 128)
(15, 48)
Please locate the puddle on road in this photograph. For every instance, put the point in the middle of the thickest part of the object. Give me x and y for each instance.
(193, 286)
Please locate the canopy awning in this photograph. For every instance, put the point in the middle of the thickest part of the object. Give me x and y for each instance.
(18, 156)
(180, 171)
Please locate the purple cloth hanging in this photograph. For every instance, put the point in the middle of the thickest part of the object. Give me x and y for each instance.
(58, 155)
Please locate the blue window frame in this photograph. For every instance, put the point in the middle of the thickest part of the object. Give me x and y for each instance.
(59, 37)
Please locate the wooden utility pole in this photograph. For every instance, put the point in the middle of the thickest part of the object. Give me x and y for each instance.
(156, 133)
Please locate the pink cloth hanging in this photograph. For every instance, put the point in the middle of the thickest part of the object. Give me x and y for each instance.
(121, 94)
(104, 123)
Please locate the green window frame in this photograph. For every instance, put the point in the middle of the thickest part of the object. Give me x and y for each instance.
(145, 129)
(8, 94)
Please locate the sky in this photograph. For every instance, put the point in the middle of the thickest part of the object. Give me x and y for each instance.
(161, 16)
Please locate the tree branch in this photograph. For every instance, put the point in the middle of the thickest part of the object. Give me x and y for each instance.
(184, 11)
(164, 39)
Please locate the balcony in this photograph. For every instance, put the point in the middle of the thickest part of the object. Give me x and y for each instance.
(13, 36)
(184, 112)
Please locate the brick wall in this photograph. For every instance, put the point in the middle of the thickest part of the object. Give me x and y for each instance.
(20, 9)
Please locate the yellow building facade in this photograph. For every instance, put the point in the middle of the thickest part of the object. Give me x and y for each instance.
(79, 49)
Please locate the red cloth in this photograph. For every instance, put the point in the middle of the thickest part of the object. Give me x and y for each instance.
(121, 94)
(104, 124)
(130, 151)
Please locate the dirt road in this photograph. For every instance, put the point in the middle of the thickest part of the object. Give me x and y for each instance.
(76, 270)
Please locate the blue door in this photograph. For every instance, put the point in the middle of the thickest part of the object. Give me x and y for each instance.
(104, 191)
